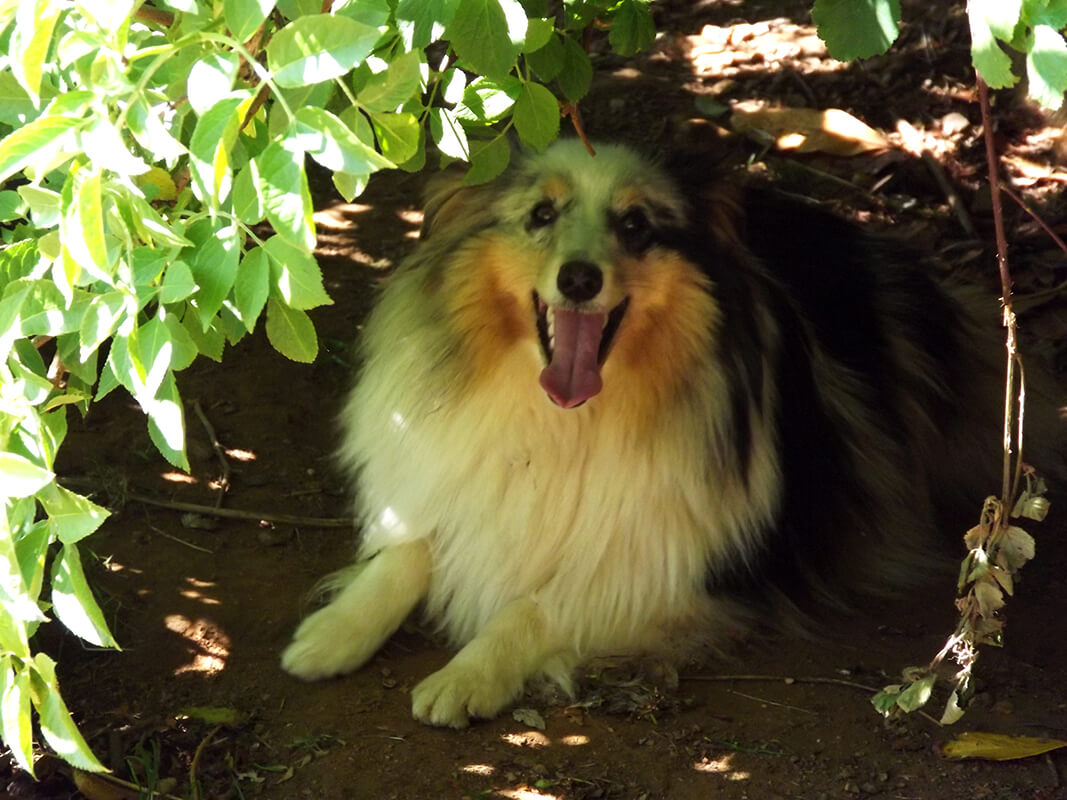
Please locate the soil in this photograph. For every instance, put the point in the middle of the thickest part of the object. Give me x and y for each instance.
(196, 704)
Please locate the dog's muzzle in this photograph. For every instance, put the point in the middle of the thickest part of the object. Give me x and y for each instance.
(575, 343)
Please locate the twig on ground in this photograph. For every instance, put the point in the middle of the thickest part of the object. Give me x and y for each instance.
(179, 540)
(955, 202)
(1044, 225)
(772, 702)
(778, 679)
(225, 513)
(194, 788)
(220, 453)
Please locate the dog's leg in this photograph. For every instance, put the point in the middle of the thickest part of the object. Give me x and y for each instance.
(364, 613)
(491, 670)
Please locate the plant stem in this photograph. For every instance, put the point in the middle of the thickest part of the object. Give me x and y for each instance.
(992, 165)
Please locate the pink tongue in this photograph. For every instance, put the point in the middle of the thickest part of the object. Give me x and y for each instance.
(574, 374)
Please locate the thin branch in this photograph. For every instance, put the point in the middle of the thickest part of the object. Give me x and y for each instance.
(220, 452)
(223, 513)
(778, 679)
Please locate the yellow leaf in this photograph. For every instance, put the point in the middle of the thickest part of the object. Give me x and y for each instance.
(163, 184)
(997, 746)
(809, 130)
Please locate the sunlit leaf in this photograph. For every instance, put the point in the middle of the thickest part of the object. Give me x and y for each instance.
(73, 601)
(57, 726)
(291, 332)
(998, 747)
(317, 48)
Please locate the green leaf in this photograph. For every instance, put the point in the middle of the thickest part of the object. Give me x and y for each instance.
(166, 422)
(178, 283)
(17, 725)
(210, 342)
(296, 275)
(370, 12)
(1000, 16)
(283, 190)
(917, 693)
(71, 517)
(488, 160)
(449, 134)
(20, 477)
(57, 727)
(211, 80)
(147, 127)
(538, 33)
(991, 62)
(213, 265)
(291, 332)
(394, 85)
(853, 29)
(487, 35)
(317, 48)
(184, 349)
(35, 143)
(101, 319)
(632, 28)
(252, 287)
(210, 145)
(885, 701)
(548, 60)
(536, 115)
(421, 23)
(34, 25)
(576, 74)
(105, 149)
(243, 17)
(334, 145)
(1046, 67)
(486, 100)
(398, 135)
(246, 203)
(73, 601)
(350, 185)
(81, 226)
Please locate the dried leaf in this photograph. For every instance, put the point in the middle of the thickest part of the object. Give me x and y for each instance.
(998, 747)
(809, 130)
(529, 716)
(989, 596)
(1016, 547)
(953, 711)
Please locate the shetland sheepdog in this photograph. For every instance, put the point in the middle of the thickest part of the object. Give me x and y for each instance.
(606, 406)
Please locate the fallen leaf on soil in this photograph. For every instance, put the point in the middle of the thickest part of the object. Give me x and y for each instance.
(105, 787)
(529, 716)
(998, 746)
(809, 130)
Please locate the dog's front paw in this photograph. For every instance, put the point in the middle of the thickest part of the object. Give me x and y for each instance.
(328, 643)
(453, 695)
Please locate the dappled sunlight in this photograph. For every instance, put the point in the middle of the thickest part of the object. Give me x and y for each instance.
(237, 454)
(721, 766)
(196, 592)
(413, 218)
(174, 476)
(525, 793)
(574, 740)
(480, 769)
(210, 646)
(534, 739)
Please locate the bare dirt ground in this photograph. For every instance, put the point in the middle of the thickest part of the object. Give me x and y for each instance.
(203, 606)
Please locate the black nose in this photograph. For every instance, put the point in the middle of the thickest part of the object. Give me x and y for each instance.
(580, 280)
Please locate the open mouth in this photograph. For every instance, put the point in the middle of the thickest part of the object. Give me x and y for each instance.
(575, 345)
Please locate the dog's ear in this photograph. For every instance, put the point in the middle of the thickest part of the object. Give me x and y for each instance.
(447, 199)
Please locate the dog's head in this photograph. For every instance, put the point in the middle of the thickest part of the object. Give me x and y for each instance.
(576, 255)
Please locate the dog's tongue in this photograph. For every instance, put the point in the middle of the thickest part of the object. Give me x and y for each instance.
(574, 374)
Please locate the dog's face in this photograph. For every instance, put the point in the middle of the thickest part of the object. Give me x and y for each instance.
(570, 256)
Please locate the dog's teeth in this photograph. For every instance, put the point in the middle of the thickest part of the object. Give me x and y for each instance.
(550, 319)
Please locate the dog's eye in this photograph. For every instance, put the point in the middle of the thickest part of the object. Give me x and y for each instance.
(544, 213)
(634, 230)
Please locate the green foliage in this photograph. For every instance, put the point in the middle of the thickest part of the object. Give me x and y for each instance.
(1031, 28)
(141, 147)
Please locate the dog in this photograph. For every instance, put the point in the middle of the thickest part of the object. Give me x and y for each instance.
(614, 407)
